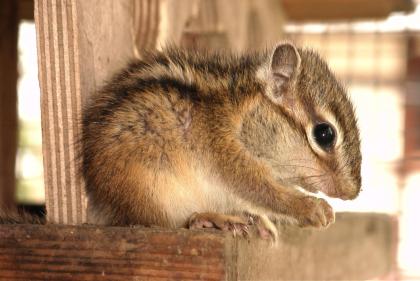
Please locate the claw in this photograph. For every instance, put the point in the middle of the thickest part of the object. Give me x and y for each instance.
(265, 227)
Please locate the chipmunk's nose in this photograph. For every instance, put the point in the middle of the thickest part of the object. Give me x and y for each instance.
(343, 190)
(349, 196)
(349, 191)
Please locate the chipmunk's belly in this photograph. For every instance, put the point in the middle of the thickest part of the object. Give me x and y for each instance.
(200, 193)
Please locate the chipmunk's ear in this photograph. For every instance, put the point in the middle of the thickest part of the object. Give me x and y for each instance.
(283, 69)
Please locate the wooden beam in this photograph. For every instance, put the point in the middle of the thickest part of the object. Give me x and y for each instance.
(90, 253)
(8, 101)
(324, 10)
(356, 247)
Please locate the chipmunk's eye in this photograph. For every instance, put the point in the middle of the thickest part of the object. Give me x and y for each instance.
(324, 135)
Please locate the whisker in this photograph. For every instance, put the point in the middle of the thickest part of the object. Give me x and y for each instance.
(297, 166)
(305, 177)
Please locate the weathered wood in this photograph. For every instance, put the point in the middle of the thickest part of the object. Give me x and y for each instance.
(322, 10)
(357, 247)
(8, 101)
(239, 25)
(59, 77)
(89, 253)
(145, 27)
(80, 43)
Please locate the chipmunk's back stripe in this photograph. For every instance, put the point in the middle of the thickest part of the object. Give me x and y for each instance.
(125, 93)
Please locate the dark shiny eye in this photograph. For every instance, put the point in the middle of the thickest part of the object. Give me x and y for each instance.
(324, 135)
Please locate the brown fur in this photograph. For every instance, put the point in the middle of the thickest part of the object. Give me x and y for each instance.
(19, 217)
(179, 133)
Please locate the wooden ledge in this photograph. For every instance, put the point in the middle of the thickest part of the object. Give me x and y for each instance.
(356, 247)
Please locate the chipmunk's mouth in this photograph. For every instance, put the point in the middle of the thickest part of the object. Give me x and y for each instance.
(312, 192)
(328, 187)
(326, 192)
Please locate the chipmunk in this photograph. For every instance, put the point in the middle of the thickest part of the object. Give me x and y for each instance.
(210, 140)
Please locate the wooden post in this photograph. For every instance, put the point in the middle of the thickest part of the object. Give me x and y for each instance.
(8, 101)
(80, 43)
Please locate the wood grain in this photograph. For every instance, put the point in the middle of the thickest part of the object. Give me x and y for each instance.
(60, 108)
(90, 253)
(238, 25)
(77, 46)
(356, 247)
(146, 20)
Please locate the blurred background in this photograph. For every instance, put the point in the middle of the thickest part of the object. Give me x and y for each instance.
(372, 46)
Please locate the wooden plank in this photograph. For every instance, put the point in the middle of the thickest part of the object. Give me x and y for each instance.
(89, 253)
(77, 45)
(322, 10)
(8, 101)
(356, 247)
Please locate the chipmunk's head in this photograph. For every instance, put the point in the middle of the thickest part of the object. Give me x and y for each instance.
(318, 137)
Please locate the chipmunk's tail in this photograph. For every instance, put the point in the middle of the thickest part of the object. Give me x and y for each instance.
(19, 217)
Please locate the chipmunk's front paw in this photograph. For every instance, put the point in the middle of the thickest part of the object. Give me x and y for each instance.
(237, 225)
(312, 211)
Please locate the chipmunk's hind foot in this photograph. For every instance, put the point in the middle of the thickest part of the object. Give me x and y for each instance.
(235, 224)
